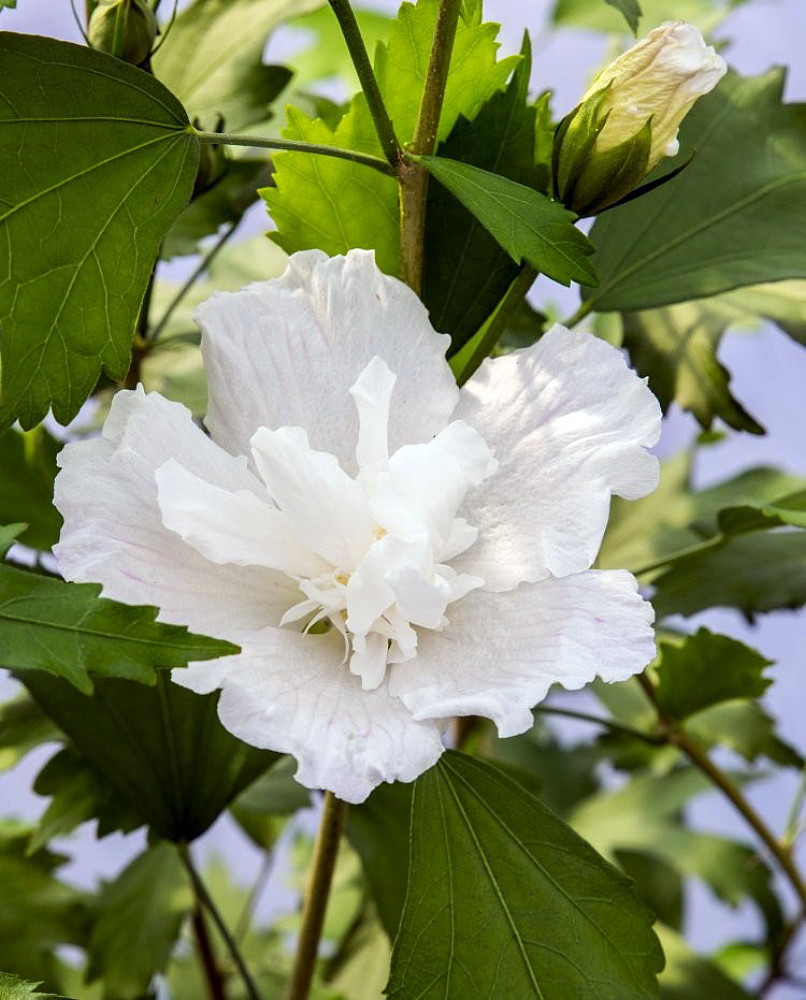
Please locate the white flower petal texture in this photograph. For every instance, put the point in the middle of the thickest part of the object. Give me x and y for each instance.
(387, 551)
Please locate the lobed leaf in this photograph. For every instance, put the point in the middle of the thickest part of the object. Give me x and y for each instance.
(108, 162)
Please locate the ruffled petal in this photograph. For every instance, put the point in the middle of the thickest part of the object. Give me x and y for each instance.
(501, 654)
(113, 532)
(287, 352)
(293, 693)
(569, 423)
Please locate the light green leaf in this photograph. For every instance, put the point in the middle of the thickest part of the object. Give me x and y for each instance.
(515, 904)
(746, 728)
(137, 922)
(689, 976)
(161, 749)
(12, 987)
(27, 471)
(212, 58)
(752, 573)
(675, 347)
(365, 213)
(725, 221)
(527, 224)
(590, 14)
(9, 533)
(629, 10)
(784, 302)
(787, 510)
(69, 631)
(705, 669)
(23, 726)
(108, 163)
(361, 970)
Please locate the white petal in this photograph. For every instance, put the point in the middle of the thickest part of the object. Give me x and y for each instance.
(372, 393)
(502, 652)
(286, 353)
(229, 527)
(113, 532)
(292, 693)
(326, 510)
(568, 422)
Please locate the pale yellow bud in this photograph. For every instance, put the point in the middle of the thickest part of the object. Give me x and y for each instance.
(659, 78)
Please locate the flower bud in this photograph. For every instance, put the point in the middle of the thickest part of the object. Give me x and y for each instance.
(628, 119)
(125, 29)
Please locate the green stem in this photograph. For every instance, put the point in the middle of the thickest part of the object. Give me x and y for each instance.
(331, 825)
(692, 550)
(498, 322)
(206, 900)
(207, 959)
(369, 84)
(793, 822)
(652, 738)
(202, 266)
(413, 177)
(691, 748)
(264, 142)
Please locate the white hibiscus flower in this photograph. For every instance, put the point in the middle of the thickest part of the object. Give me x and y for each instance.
(388, 551)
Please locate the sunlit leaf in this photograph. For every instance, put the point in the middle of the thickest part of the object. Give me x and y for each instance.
(12, 987)
(27, 471)
(629, 10)
(108, 163)
(602, 15)
(515, 904)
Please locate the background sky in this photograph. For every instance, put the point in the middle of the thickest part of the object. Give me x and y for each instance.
(769, 377)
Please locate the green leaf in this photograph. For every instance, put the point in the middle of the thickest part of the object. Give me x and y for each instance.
(378, 829)
(787, 510)
(675, 347)
(27, 471)
(590, 14)
(688, 976)
(69, 631)
(212, 58)
(78, 794)
(752, 573)
(23, 726)
(658, 884)
(161, 749)
(39, 913)
(9, 533)
(746, 728)
(630, 11)
(516, 905)
(108, 163)
(137, 922)
(726, 220)
(12, 987)
(262, 809)
(527, 224)
(466, 271)
(705, 669)
(365, 213)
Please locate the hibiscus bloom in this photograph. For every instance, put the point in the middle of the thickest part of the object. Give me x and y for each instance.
(388, 551)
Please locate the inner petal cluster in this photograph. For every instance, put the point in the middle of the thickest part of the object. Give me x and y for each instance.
(370, 555)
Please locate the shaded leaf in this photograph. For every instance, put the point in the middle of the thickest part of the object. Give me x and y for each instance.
(515, 903)
(9, 533)
(752, 573)
(161, 749)
(69, 631)
(262, 809)
(689, 976)
(676, 348)
(725, 221)
(705, 669)
(212, 58)
(746, 728)
(657, 882)
(630, 11)
(23, 726)
(137, 921)
(108, 163)
(527, 224)
(27, 471)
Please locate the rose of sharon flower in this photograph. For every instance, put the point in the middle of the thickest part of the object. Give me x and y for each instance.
(387, 550)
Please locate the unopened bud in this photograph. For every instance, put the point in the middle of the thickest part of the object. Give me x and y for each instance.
(629, 118)
(125, 29)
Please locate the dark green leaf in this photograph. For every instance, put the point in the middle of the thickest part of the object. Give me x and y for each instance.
(379, 831)
(12, 987)
(787, 510)
(527, 224)
(212, 59)
(262, 809)
(753, 573)
(137, 922)
(162, 749)
(676, 349)
(23, 726)
(705, 669)
(515, 904)
(658, 884)
(69, 631)
(27, 471)
(630, 11)
(108, 162)
(466, 271)
(726, 220)
(78, 794)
